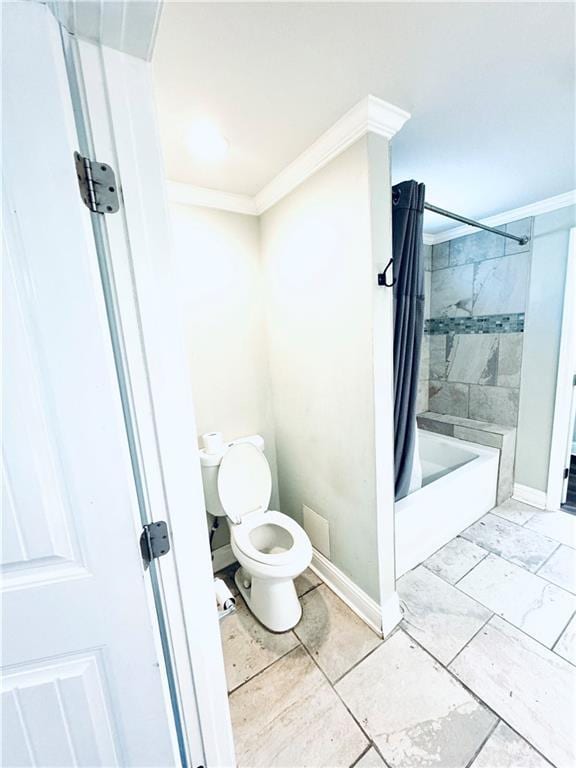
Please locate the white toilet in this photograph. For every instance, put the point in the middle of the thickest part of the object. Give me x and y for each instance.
(271, 548)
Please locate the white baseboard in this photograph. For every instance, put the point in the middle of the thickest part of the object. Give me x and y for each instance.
(222, 558)
(530, 496)
(381, 620)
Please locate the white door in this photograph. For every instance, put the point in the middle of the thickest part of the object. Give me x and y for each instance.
(82, 682)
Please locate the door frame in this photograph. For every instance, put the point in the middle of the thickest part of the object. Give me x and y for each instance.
(115, 112)
(564, 405)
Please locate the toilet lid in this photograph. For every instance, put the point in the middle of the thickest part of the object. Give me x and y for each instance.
(244, 481)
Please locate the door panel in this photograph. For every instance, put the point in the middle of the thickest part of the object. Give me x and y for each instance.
(82, 682)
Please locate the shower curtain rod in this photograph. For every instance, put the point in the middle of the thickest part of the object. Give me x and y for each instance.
(464, 220)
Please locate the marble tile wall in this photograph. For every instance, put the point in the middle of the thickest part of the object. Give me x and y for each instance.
(478, 293)
(484, 433)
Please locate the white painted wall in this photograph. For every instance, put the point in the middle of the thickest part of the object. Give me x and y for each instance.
(541, 346)
(321, 287)
(217, 261)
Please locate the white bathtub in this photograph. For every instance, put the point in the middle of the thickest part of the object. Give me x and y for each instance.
(459, 486)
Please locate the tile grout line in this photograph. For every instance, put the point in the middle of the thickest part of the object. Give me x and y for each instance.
(467, 643)
(488, 552)
(265, 669)
(473, 567)
(370, 652)
(527, 634)
(470, 763)
(477, 698)
(553, 646)
(368, 748)
(371, 742)
(537, 571)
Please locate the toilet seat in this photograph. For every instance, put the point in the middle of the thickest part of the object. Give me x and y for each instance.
(244, 481)
(242, 535)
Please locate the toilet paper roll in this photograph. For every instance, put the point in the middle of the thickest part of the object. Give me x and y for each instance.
(213, 442)
(224, 598)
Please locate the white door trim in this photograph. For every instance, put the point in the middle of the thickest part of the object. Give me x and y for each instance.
(119, 116)
(563, 408)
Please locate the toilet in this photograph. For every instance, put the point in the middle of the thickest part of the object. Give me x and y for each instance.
(272, 549)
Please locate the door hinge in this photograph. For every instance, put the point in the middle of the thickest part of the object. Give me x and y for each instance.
(154, 541)
(566, 472)
(97, 184)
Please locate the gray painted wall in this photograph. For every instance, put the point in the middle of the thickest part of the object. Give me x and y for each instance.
(541, 346)
(218, 265)
(317, 247)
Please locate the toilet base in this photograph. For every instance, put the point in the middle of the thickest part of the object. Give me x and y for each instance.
(273, 602)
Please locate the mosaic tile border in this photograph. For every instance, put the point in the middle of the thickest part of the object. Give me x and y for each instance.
(511, 323)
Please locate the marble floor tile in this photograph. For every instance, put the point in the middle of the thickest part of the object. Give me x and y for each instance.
(505, 749)
(559, 526)
(248, 647)
(560, 568)
(530, 687)
(306, 581)
(530, 603)
(566, 645)
(416, 713)
(332, 633)
(455, 559)
(370, 760)
(290, 716)
(515, 511)
(438, 615)
(510, 541)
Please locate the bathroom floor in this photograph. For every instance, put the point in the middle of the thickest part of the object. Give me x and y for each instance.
(479, 673)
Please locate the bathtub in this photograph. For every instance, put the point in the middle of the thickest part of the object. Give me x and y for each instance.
(458, 487)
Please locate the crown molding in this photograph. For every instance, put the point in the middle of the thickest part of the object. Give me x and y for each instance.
(534, 209)
(187, 194)
(371, 115)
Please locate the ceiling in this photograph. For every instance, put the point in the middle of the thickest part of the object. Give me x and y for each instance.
(490, 87)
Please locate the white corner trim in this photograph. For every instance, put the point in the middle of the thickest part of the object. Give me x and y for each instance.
(222, 558)
(381, 621)
(531, 496)
(188, 194)
(562, 444)
(369, 115)
(534, 209)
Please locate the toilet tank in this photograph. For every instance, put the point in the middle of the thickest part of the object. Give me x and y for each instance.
(210, 464)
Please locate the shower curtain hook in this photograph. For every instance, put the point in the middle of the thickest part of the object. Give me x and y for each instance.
(383, 278)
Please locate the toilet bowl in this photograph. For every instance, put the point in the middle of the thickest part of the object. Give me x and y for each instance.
(272, 549)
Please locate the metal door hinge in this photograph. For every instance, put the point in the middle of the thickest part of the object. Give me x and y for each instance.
(97, 184)
(566, 472)
(154, 541)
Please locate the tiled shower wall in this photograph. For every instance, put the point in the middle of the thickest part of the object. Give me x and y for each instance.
(472, 353)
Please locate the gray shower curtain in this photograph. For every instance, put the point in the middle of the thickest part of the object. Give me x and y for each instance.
(408, 272)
